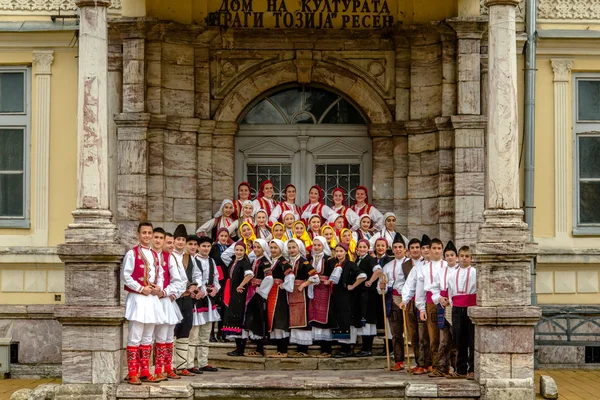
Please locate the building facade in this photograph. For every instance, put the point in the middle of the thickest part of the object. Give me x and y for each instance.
(205, 94)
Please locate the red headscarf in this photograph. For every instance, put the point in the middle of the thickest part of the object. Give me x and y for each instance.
(366, 193)
(262, 188)
(318, 190)
(341, 190)
(229, 241)
(249, 189)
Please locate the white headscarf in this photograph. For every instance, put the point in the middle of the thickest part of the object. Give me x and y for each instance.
(265, 246)
(386, 216)
(326, 248)
(279, 244)
(220, 212)
(286, 212)
(301, 246)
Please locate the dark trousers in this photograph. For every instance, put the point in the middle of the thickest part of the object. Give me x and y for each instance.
(417, 333)
(397, 327)
(433, 331)
(464, 337)
(282, 345)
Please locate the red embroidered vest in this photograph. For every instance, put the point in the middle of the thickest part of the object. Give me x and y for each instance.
(365, 210)
(166, 258)
(141, 268)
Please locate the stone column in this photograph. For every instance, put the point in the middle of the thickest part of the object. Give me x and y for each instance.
(223, 162)
(383, 167)
(204, 188)
(400, 141)
(503, 252)
(92, 315)
(42, 62)
(562, 136)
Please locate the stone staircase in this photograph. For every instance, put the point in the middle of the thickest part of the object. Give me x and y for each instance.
(218, 357)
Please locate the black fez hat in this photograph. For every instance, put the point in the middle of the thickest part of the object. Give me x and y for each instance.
(204, 239)
(192, 238)
(180, 231)
(450, 247)
(425, 241)
(399, 239)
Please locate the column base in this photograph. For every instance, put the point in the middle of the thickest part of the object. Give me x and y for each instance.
(91, 226)
(504, 350)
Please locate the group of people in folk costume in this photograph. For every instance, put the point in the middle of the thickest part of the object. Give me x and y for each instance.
(310, 275)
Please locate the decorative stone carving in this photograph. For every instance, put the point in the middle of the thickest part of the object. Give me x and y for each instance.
(231, 67)
(562, 69)
(568, 9)
(46, 5)
(376, 67)
(520, 11)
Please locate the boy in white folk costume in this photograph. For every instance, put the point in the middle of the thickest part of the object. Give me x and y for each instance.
(396, 273)
(172, 288)
(143, 279)
(438, 290)
(188, 269)
(462, 293)
(205, 308)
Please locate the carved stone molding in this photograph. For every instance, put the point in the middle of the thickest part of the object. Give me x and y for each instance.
(558, 9)
(46, 5)
(520, 8)
(562, 69)
(42, 61)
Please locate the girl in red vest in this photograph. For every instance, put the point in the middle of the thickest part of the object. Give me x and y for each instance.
(289, 204)
(362, 206)
(316, 206)
(244, 193)
(265, 200)
(261, 228)
(224, 218)
(351, 220)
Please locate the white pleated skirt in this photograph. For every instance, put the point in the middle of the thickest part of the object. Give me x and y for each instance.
(171, 310)
(353, 336)
(367, 330)
(322, 334)
(279, 334)
(301, 337)
(144, 309)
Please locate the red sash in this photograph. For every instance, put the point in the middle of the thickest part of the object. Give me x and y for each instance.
(318, 307)
(272, 303)
(429, 297)
(464, 300)
(297, 304)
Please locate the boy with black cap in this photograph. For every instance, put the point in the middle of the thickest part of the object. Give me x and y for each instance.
(439, 290)
(186, 301)
(205, 307)
(396, 272)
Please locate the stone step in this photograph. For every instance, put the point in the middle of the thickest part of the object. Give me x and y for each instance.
(300, 385)
(312, 363)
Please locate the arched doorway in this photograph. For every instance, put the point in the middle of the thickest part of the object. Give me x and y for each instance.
(303, 135)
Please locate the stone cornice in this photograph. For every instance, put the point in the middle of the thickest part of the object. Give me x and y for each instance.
(93, 315)
(469, 121)
(469, 28)
(526, 315)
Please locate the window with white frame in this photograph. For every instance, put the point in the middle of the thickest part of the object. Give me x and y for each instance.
(15, 116)
(586, 149)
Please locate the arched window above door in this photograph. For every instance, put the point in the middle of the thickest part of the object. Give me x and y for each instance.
(303, 105)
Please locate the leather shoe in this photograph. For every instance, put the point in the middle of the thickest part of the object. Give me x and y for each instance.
(209, 368)
(195, 370)
(363, 354)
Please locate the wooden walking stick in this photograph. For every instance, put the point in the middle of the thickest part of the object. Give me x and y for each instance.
(407, 356)
(385, 326)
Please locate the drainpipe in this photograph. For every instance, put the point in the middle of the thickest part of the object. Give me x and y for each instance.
(529, 123)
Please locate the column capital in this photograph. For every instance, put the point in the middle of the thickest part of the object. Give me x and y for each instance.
(92, 3)
(469, 28)
(490, 3)
(42, 61)
(562, 69)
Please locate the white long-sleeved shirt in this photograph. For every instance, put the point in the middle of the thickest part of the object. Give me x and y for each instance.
(153, 270)
(440, 282)
(174, 287)
(257, 205)
(326, 212)
(279, 210)
(203, 263)
(178, 257)
(376, 216)
(352, 218)
(412, 284)
(426, 272)
(394, 276)
(457, 282)
(224, 222)
(229, 254)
